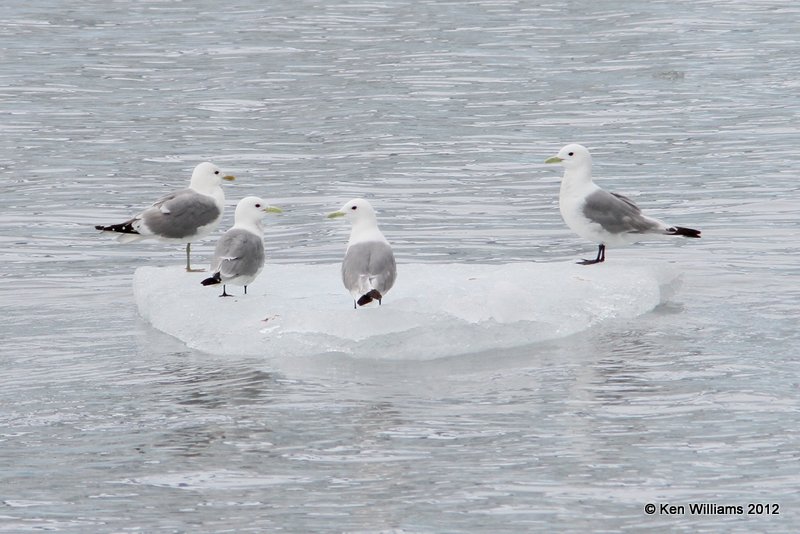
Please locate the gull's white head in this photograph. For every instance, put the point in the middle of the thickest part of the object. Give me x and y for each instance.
(572, 156)
(357, 211)
(250, 210)
(207, 176)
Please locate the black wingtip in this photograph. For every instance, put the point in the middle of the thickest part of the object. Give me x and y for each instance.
(685, 232)
(210, 281)
(373, 294)
(122, 228)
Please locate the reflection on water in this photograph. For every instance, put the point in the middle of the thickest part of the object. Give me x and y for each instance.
(218, 386)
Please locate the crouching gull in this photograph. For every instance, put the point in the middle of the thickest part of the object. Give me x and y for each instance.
(368, 269)
(599, 216)
(239, 254)
(184, 216)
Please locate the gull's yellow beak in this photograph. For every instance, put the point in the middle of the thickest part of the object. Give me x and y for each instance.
(335, 214)
(273, 209)
(554, 159)
(229, 178)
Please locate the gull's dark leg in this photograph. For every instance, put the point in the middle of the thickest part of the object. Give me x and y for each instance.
(224, 293)
(355, 306)
(245, 290)
(601, 257)
(188, 264)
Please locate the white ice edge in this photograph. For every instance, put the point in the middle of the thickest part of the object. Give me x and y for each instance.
(434, 310)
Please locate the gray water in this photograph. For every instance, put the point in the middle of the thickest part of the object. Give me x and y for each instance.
(441, 113)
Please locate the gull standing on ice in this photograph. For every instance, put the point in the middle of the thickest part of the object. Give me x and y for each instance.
(184, 216)
(599, 216)
(368, 269)
(239, 254)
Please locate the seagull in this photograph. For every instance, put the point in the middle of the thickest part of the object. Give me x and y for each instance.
(183, 216)
(597, 215)
(368, 269)
(239, 254)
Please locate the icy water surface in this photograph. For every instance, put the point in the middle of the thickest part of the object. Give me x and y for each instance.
(442, 114)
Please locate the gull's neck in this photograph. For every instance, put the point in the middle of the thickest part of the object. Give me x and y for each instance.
(250, 226)
(202, 186)
(577, 179)
(214, 191)
(365, 230)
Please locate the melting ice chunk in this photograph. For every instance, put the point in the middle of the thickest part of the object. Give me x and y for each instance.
(433, 311)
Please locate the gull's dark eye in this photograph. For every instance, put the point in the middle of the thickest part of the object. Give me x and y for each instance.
(571, 154)
(258, 205)
(217, 172)
(354, 208)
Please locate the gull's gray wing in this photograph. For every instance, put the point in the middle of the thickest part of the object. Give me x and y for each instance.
(238, 253)
(368, 266)
(179, 214)
(617, 214)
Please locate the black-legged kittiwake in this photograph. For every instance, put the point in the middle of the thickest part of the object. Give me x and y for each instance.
(184, 216)
(368, 269)
(597, 215)
(239, 254)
